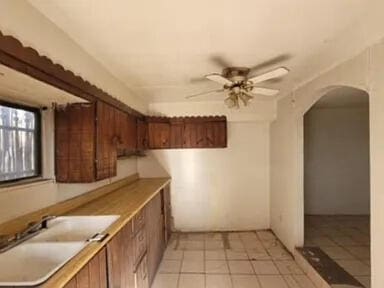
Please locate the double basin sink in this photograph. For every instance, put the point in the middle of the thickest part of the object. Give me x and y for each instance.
(35, 260)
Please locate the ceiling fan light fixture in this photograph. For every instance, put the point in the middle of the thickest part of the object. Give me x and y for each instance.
(232, 101)
(245, 98)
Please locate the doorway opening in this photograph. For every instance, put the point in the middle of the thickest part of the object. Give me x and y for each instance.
(337, 184)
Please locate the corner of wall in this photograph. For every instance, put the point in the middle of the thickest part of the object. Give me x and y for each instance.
(150, 167)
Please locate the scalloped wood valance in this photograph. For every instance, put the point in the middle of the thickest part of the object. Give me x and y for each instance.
(28, 61)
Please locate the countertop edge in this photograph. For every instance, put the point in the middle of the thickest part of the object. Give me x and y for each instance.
(73, 266)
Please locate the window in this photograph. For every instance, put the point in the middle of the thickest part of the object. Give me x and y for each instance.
(19, 142)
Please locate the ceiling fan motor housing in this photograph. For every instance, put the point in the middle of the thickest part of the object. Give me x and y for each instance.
(236, 74)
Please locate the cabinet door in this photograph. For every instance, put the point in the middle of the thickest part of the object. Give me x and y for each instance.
(126, 133)
(216, 134)
(121, 130)
(120, 251)
(159, 135)
(106, 149)
(195, 134)
(131, 137)
(167, 214)
(155, 235)
(74, 137)
(142, 135)
(177, 134)
(93, 275)
(141, 274)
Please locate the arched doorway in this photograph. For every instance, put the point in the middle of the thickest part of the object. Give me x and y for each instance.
(336, 179)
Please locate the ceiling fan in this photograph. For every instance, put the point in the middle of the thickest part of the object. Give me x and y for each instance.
(240, 86)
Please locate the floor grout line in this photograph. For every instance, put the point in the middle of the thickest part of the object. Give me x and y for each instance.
(245, 248)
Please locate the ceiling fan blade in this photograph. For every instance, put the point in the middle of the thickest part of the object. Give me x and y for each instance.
(197, 79)
(216, 77)
(265, 91)
(205, 93)
(257, 96)
(269, 75)
(270, 62)
(274, 80)
(220, 61)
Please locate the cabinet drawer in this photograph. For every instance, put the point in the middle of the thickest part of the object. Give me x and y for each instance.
(138, 221)
(140, 245)
(141, 274)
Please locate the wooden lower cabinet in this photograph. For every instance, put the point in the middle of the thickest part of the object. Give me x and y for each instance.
(155, 235)
(131, 258)
(168, 221)
(120, 259)
(93, 275)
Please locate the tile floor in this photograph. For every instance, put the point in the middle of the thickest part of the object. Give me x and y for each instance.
(228, 260)
(346, 239)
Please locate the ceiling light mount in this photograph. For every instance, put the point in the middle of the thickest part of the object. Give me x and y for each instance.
(235, 74)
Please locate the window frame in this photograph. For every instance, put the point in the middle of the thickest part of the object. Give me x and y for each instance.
(38, 141)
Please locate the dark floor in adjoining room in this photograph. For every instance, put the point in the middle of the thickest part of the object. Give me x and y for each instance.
(345, 239)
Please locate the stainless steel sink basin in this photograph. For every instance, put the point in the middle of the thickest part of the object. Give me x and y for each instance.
(74, 228)
(35, 260)
(33, 263)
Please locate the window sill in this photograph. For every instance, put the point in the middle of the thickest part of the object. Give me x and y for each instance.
(25, 183)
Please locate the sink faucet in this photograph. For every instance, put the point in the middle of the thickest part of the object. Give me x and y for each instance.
(33, 228)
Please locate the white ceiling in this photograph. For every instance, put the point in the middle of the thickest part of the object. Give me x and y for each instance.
(23, 89)
(157, 47)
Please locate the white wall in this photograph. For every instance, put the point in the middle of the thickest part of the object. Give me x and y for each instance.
(220, 189)
(22, 199)
(336, 160)
(217, 189)
(18, 18)
(287, 197)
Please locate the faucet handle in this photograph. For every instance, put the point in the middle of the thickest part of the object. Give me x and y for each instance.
(45, 219)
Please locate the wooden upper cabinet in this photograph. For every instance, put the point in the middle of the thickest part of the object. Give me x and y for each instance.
(142, 135)
(159, 134)
(127, 134)
(216, 134)
(106, 141)
(75, 146)
(131, 137)
(195, 134)
(121, 132)
(187, 132)
(89, 137)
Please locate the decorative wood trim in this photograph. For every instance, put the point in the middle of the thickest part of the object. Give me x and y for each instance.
(28, 61)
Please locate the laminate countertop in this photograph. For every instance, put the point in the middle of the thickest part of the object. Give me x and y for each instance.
(125, 201)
